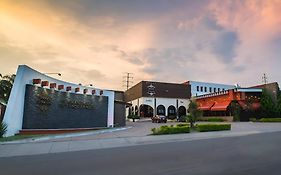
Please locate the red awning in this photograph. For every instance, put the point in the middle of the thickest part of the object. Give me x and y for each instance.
(254, 105)
(220, 106)
(206, 107)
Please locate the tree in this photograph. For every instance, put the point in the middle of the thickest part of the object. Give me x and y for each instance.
(6, 84)
(278, 104)
(268, 106)
(235, 110)
(194, 113)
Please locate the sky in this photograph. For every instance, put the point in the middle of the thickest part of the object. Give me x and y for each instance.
(97, 41)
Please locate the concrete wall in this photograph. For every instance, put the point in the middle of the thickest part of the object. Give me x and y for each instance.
(14, 113)
(119, 114)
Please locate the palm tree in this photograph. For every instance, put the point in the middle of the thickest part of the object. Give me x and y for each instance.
(6, 84)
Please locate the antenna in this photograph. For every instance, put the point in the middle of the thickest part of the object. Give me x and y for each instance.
(264, 79)
(127, 80)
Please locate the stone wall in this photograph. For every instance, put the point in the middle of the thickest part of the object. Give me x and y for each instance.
(51, 109)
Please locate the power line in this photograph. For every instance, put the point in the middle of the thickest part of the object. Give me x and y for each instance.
(127, 80)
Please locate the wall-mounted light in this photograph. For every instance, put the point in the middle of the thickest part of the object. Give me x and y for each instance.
(53, 85)
(60, 87)
(68, 88)
(36, 81)
(93, 92)
(85, 91)
(44, 83)
(77, 89)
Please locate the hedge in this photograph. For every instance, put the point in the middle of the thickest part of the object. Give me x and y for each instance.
(270, 120)
(133, 117)
(212, 127)
(171, 129)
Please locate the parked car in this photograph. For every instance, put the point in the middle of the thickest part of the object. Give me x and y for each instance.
(159, 119)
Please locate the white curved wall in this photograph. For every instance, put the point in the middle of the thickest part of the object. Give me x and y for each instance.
(14, 113)
(160, 101)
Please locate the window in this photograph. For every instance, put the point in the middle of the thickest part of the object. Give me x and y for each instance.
(205, 89)
(223, 89)
(197, 88)
(215, 89)
(210, 89)
(218, 89)
(201, 88)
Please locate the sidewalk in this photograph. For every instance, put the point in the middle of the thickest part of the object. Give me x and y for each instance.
(131, 136)
(35, 148)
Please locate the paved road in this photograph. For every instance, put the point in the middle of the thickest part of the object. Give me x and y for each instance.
(253, 154)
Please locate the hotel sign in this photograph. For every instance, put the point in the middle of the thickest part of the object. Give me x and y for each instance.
(151, 89)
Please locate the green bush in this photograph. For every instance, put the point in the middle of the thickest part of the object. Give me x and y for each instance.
(133, 117)
(212, 119)
(182, 124)
(212, 127)
(183, 118)
(3, 129)
(170, 130)
(253, 120)
(270, 120)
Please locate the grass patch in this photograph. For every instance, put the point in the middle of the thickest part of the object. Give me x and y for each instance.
(212, 119)
(270, 120)
(180, 128)
(212, 127)
(18, 137)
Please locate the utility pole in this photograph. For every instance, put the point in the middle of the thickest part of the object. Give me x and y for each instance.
(264, 79)
(127, 80)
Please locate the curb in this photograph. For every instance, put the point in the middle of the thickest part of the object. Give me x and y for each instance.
(60, 136)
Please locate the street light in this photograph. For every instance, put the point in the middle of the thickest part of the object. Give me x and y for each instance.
(59, 74)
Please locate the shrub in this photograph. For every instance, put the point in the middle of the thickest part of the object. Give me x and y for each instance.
(212, 119)
(253, 119)
(182, 124)
(213, 127)
(133, 117)
(183, 118)
(3, 129)
(270, 120)
(170, 130)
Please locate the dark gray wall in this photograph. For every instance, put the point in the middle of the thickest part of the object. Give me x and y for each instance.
(119, 114)
(50, 109)
(160, 89)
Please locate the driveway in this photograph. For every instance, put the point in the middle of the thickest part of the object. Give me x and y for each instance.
(143, 128)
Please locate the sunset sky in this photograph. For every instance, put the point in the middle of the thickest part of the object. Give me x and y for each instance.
(96, 41)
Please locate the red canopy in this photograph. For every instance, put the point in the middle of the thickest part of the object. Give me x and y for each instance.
(220, 106)
(206, 107)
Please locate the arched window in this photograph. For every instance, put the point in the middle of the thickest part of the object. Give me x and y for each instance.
(161, 110)
(182, 111)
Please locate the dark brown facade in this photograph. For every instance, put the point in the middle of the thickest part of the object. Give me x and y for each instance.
(158, 89)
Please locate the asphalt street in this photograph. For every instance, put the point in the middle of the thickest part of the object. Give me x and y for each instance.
(257, 154)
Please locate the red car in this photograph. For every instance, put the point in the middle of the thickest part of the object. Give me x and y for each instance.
(159, 119)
